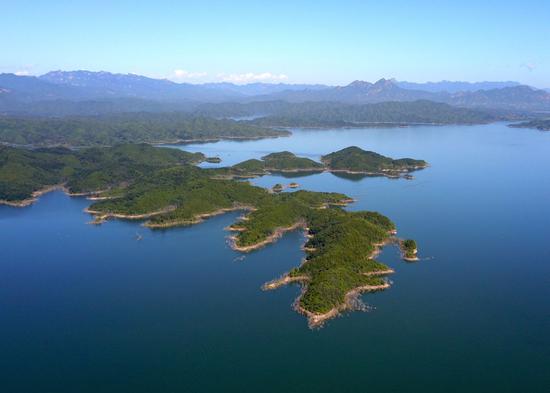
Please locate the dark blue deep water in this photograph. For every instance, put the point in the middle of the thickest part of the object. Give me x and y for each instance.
(90, 309)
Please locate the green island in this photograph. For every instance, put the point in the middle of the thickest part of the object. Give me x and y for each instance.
(108, 130)
(351, 160)
(284, 161)
(356, 160)
(409, 250)
(213, 160)
(163, 187)
(541, 124)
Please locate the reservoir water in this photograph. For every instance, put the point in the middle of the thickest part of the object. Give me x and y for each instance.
(88, 308)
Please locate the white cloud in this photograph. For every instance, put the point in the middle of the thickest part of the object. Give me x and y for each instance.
(22, 73)
(529, 66)
(253, 77)
(179, 75)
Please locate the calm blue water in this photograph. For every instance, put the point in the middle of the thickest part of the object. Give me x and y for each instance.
(90, 309)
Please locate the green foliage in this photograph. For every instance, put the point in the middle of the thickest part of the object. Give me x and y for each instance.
(252, 166)
(24, 171)
(383, 114)
(286, 160)
(144, 180)
(355, 159)
(342, 243)
(282, 161)
(281, 211)
(409, 248)
(350, 159)
(124, 128)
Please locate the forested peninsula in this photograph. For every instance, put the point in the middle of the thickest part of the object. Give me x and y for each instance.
(163, 187)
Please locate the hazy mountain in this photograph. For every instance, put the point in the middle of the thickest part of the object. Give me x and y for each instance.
(106, 84)
(255, 89)
(30, 88)
(455, 86)
(104, 92)
(357, 92)
(518, 97)
(360, 92)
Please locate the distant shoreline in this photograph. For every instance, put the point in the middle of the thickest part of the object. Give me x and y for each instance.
(38, 193)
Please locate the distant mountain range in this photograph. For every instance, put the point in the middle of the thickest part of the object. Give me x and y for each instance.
(519, 97)
(455, 87)
(86, 91)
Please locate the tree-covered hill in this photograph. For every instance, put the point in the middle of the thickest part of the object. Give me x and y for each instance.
(329, 114)
(23, 172)
(355, 159)
(125, 128)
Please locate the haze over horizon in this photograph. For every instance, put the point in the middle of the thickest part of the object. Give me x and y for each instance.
(245, 42)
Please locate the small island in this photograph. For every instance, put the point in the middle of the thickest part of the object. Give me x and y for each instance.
(351, 160)
(356, 160)
(213, 160)
(164, 188)
(280, 162)
(541, 125)
(409, 250)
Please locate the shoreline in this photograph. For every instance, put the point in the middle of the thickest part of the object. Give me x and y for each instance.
(35, 196)
(277, 233)
(316, 320)
(177, 142)
(152, 143)
(92, 195)
(198, 218)
(101, 217)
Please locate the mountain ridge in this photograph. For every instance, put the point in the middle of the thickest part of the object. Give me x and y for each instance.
(82, 85)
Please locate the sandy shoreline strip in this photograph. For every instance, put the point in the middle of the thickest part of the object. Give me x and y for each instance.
(198, 218)
(277, 233)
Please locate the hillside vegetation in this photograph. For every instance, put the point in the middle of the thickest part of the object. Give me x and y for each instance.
(162, 186)
(125, 128)
(349, 160)
(23, 172)
(355, 159)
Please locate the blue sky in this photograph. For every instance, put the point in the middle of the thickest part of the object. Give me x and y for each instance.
(332, 42)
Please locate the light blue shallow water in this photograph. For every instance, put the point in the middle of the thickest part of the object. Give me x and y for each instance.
(90, 309)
